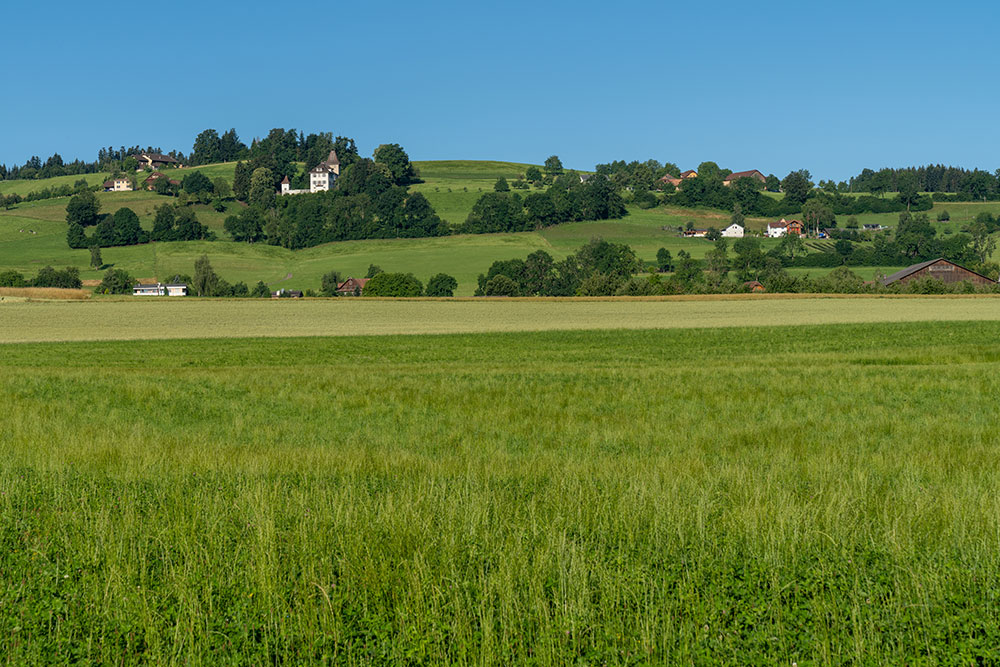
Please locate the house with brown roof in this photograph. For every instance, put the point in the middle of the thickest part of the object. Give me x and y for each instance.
(352, 287)
(941, 269)
(118, 184)
(777, 229)
(150, 182)
(754, 286)
(795, 227)
(156, 160)
(735, 176)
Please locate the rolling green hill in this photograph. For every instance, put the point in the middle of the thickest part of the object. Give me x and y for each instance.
(33, 234)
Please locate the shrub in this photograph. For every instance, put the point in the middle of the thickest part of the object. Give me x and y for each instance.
(441, 285)
(394, 285)
(116, 281)
(12, 279)
(68, 278)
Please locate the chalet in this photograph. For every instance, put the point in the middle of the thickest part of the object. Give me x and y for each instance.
(754, 286)
(286, 294)
(733, 231)
(795, 227)
(940, 268)
(156, 160)
(352, 287)
(690, 173)
(118, 184)
(753, 173)
(695, 233)
(159, 289)
(777, 229)
(150, 182)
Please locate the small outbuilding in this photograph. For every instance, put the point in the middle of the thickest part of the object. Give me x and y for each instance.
(942, 269)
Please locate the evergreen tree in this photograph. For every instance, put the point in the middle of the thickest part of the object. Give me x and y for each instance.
(241, 181)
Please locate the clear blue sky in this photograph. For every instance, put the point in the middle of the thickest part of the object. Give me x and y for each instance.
(832, 87)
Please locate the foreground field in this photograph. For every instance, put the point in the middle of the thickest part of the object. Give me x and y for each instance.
(131, 318)
(819, 495)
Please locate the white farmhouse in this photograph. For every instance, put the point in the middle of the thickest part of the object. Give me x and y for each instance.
(733, 231)
(159, 289)
(777, 229)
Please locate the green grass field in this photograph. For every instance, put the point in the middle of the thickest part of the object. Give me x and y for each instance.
(119, 318)
(740, 495)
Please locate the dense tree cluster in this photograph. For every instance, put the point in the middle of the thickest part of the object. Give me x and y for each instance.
(209, 147)
(568, 199)
(366, 203)
(637, 175)
(975, 184)
(172, 223)
(708, 190)
(68, 278)
(591, 271)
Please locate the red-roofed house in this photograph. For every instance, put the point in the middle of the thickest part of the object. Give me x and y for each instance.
(352, 287)
(753, 173)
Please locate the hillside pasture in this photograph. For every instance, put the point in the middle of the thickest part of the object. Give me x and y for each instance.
(32, 235)
(774, 495)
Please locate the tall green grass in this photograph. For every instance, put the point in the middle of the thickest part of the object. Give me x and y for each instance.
(819, 495)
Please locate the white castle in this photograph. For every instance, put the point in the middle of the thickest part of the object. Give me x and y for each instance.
(321, 177)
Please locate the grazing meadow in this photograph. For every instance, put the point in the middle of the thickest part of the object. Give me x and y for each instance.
(817, 494)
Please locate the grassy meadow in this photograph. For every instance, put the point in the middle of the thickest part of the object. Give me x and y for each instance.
(132, 318)
(741, 495)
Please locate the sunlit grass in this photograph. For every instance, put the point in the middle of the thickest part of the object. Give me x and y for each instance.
(823, 494)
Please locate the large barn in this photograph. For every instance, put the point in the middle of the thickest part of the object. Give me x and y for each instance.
(941, 269)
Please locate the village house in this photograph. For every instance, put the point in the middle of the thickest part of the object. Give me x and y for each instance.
(159, 289)
(940, 268)
(695, 233)
(733, 231)
(150, 182)
(782, 227)
(155, 161)
(352, 287)
(676, 182)
(321, 177)
(753, 173)
(777, 229)
(118, 184)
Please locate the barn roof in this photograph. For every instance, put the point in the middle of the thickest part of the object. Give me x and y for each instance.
(910, 270)
(743, 174)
